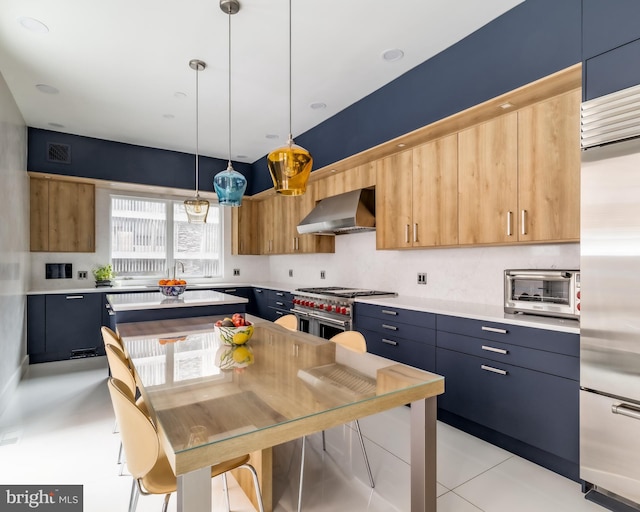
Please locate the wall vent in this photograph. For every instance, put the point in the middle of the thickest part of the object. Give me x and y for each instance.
(58, 153)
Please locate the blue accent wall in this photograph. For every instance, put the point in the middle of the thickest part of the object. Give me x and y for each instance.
(532, 40)
(116, 161)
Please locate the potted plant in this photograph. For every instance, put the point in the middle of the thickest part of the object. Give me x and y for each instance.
(103, 275)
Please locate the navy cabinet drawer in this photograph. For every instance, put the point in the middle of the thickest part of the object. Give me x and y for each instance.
(405, 316)
(541, 339)
(280, 299)
(389, 327)
(612, 71)
(539, 360)
(536, 408)
(402, 350)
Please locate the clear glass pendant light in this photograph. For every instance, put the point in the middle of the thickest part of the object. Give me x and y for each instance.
(290, 165)
(197, 208)
(229, 184)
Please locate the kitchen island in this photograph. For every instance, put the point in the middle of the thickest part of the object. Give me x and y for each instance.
(148, 306)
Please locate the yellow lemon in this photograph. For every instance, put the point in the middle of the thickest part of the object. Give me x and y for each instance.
(240, 338)
(242, 355)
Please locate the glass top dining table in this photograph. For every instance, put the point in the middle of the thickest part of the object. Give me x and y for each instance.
(213, 402)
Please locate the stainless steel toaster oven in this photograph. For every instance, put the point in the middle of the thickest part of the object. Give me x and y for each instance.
(543, 292)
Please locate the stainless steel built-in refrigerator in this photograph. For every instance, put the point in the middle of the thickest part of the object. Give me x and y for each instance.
(610, 299)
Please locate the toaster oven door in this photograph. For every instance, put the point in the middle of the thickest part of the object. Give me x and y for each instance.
(549, 292)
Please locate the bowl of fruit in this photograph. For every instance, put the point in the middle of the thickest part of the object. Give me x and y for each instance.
(172, 287)
(234, 330)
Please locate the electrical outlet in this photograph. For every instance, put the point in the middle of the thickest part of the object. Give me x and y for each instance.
(322, 274)
(290, 272)
(82, 274)
(236, 271)
(422, 278)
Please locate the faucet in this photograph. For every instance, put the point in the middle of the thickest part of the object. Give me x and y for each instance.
(175, 267)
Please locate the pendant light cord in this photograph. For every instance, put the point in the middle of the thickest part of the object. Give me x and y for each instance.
(229, 15)
(197, 123)
(290, 88)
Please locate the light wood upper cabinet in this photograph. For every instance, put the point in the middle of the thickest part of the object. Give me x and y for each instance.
(416, 196)
(62, 216)
(488, 181)
(361, 176)
(244, 229)
(549, 170)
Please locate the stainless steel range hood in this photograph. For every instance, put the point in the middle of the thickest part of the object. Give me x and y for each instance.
(351, 212)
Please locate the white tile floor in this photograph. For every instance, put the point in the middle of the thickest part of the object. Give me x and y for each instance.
(58, 430)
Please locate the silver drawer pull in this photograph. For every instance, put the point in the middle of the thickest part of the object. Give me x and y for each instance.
(390, 342)
(390, 327)
(493, 349)
(71, 297)
(493, 329)
(280, 294)
(279, 303)
(492, 369)
(230, 290)
(388, 312)
(279, 313)
(626, 410)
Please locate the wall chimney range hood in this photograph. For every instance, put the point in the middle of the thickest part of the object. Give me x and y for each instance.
(351, 212)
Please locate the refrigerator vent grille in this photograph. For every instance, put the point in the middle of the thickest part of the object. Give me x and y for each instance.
(609, 118)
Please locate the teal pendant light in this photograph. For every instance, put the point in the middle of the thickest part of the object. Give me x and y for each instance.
(229, 184)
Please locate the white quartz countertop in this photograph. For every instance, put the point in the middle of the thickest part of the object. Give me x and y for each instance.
(155, 300)
(488, 313)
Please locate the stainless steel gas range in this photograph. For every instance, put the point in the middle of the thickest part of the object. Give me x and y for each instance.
(327, 311)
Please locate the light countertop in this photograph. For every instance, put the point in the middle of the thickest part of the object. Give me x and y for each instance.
(155, 300)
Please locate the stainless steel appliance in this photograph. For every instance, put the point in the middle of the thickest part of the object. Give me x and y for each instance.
(542, 292)
(327, 311)
(610, 319)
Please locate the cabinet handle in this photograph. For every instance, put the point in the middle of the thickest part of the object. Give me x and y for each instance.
(415, 231)
(297, 244)
(494, 329)
(390, 342)
(524, 222)
(493, 349)
(295, 351)
(71, 297)
(230, 290)
(279, 313)
(258, 291)
(279, 303)
(509, 214)
(626, 410)
(270, 245)
(280, 294)
(388, 312)
(493, 370)
(406, 234)
(293, 244)
(390, 327)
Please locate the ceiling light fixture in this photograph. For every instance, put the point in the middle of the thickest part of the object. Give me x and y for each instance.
(290, 165)
(318, 105)
(196, 208)
(47, 89)
(229, 184)
(392, 55)
(33, 25)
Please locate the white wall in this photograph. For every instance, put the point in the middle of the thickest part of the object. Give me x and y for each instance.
(252, 268)
(472, 274)
(14, 243)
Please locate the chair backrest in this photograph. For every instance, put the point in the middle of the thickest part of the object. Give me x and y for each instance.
(352, 340)
(111, 338)
(288, 321)
(120, 369)
(139, 435)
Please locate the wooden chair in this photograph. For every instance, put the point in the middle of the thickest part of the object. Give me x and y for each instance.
(111, 338)
(146, 459)
(355, 341)
(288, 321)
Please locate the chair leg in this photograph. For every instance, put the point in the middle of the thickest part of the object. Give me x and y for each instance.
(133, 499)
(225, 488)
(324, 444)
(304, 441)
(165, 505)
(364, 453)
(256, 484)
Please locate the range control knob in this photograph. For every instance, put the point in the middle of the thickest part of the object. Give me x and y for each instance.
(578, 306)
(329, 307)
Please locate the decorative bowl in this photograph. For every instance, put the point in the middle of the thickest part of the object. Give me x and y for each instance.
(233, 335)
(172, 290)
(234, 357)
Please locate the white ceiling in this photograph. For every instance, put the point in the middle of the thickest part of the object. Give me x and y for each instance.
(118, 64)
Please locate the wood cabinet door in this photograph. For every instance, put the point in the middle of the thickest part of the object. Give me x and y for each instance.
(549, 170)
(244, 229)
(394, 180)
(265, 223)
(39, 214)
(361, 176)
(487, 181)
(435, 193)
(71, 217)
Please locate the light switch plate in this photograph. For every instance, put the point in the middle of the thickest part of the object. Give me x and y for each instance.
(422, 278)
(236, 271)
(290, 272)
(322, 274)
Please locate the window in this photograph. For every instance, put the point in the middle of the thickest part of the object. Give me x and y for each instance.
(149, 235)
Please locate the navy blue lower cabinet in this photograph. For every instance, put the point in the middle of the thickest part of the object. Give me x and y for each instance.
(420, 355)
(36, 335)
(261, 296)
(241, 291)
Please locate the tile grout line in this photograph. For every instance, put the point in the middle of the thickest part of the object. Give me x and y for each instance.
(481, 473)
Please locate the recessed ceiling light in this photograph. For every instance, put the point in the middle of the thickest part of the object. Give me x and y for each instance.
(56, 125)
(318, 105)
(33, 25)
(47, 89)
(392, 54)
(168, 116)
(241, 156)
(180, 95)
(506, 105)
(334, 170)
(401, 145)
(272, 136)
